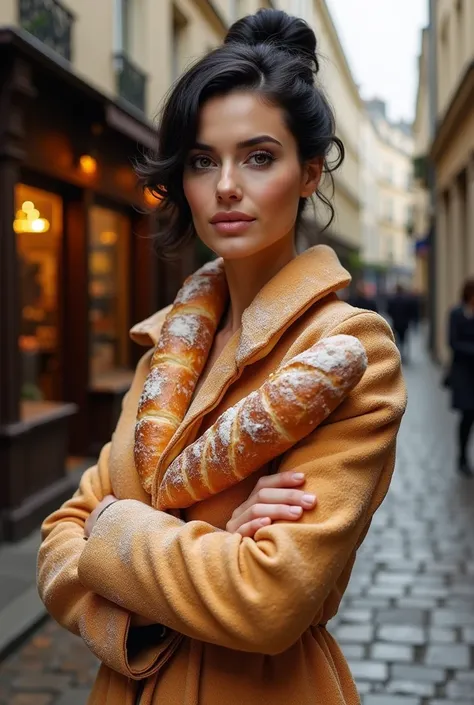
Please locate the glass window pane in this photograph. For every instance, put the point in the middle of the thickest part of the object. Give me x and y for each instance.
(108, 291)
(38, 228)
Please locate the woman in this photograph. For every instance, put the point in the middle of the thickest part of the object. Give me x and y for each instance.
(244, 582)
(461, 376)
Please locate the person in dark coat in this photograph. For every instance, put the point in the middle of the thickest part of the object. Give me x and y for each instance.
(361, 300)
(461, 375)
(400, 310)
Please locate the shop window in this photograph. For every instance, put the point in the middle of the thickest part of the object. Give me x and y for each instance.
(38, 228)
(108, 292)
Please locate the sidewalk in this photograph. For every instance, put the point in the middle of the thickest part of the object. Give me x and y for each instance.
(20, 607)
(407, 620)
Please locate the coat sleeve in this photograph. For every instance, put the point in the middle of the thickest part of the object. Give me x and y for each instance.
(103, 624)
(455, 341)
(261, 595)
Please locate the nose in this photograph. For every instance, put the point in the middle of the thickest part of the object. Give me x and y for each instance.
(228, 189)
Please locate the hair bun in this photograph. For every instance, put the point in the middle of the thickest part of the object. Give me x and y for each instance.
(278, 28)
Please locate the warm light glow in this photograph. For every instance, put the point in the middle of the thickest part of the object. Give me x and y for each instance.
(150, 198)
(88, 164)
(40, 225)
(108, 237)
(28, 220)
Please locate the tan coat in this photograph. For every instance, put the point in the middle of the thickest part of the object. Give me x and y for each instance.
(245, 618)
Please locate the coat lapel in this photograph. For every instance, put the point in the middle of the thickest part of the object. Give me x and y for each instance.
(305, 280)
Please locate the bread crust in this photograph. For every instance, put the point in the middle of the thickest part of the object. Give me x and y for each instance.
(178, 360)
(294, 400)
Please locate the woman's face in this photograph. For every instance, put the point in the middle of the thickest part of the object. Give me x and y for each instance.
(243, 179)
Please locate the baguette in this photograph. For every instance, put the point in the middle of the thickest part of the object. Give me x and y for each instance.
(178, 360)
(289, 405)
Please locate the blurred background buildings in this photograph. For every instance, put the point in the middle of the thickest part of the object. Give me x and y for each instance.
(80, 86)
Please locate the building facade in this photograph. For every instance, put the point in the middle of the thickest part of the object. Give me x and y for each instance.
(79, 88)
(345, 234)
(372, 258)
(392, 247)
(422, 211)
(452, 156)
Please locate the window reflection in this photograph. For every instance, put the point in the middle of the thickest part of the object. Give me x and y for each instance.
(108, 292)
(38, 228)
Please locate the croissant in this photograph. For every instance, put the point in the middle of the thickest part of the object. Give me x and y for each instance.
(177, 362)
(289, 405)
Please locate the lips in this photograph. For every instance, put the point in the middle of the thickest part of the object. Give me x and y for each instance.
(232, 222)
(231, 217)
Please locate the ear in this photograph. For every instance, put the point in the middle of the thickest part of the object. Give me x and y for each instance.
(312, 172)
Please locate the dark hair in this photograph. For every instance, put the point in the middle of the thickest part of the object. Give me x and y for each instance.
(268, 52)
(468, 291)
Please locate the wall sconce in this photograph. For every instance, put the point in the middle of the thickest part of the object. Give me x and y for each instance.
(88, 164)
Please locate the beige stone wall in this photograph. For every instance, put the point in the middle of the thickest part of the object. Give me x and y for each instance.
(454, 234)
(164, 37)
(8, 12)
(455, 46)
(452, 151)
(340, 87)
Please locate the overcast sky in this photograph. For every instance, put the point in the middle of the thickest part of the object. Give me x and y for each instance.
(381, 39)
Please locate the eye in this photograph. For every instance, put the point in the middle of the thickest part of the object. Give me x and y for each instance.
(201, 162)
(260, 159)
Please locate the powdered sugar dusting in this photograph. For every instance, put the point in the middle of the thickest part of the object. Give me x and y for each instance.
(196, 286)
(152, 387)
(225, 423)
(333, 353)
(214, 266)
(256, 429)
(199, 283)
(187, 327)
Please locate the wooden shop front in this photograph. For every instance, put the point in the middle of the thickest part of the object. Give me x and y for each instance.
(76, 271)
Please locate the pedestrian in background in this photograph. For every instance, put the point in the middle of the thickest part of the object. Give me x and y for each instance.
(461, 375)
(400, 310)
(361, 300)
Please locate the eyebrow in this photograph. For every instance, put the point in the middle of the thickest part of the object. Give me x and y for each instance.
(241, 145)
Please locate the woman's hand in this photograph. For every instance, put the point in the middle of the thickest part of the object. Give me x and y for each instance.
(274, 498)
(92, 518)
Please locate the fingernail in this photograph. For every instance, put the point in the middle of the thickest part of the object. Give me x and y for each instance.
(265, 521)
(308, 500)
(298, 476)
(296, 511)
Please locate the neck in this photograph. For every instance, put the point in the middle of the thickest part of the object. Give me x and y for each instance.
(245, 278)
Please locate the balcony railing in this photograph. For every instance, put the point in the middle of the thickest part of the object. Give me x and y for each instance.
(131, 82)
(50, 22)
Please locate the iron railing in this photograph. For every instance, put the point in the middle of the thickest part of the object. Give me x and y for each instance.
(131, 81)
(50, 22)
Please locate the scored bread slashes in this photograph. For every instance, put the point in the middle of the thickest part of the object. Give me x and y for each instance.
(291, 403)
(177, 363)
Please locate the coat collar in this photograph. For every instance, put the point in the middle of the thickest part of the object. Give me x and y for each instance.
(307, 278)
(304, 280)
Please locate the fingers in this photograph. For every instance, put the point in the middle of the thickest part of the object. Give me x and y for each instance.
(251, 527)
(275, 512)
(283, 479)
(275, 495)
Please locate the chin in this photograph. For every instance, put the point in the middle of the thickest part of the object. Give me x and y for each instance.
(233, 249)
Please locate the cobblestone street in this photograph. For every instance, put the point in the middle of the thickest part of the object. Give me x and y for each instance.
(407, 622)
